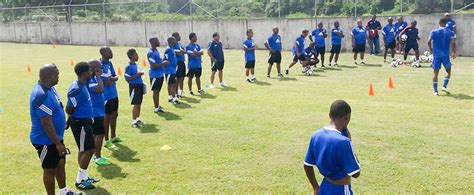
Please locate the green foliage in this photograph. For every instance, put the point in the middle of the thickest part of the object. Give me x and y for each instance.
(298, 15)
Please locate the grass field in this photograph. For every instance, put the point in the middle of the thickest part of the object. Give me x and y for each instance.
(251, 138)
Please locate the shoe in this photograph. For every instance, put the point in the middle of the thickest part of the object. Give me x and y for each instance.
(211, 86)
(355, 63)
(335, 64)
(102, 161)
(175, 102)
(201, 91)
(222, 84)
(191, 92)
(280, 75)
(109, 145)
(268, 76)
(248, 80)
(116, 140)
(85, 185)
(135, 125)
(322, 66)
(287, 71)
(159, 110)
(253, 79)
(362, 62)
(73, 193)
(92, 180)
(435, 93)
(445, 90)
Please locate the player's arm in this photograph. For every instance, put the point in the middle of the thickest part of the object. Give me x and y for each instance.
(309, 170)
(311, 38)
(325, 34)
(157, 64)
(453, 46)
(296, 49)
(268, 47)
(99, 87)
(129, 77)
(309, 163)
(353, 39)
(430, 47)
(210, 54)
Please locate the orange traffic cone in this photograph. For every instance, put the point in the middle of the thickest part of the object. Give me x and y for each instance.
(71, 62)
(28, 68)
(53, 44)
(390, 83)
(120, 71)
(144, 62)
(371, 90)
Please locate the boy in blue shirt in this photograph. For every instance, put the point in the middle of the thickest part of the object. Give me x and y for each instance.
(359, 36)
(157, 72)
(110, 96)
(249, 50)
(389, 32)
(298, 51)
(273, 44)
(96, 88)
(336, 41)
(195, 52)
(330, 150)
(411, 41)
(170, 70)
(318, 36)
(399, 26)
(79, 109)
(181, 70)
(439, 44)
(216, 53)
(133, 76)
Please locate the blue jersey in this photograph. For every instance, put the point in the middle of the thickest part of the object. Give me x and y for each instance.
(318, 37)
(79, 98)
(332, 153)
(193, 61)
(274, 42)
(130, 70)
(45, 102)
(412, 35)
(399, 26)
(360, 35)
(441, 38)
(308, 52)
(389, 33)
(154, 57)
(177, 48)
(216, 50)
(336, 39)
(249, 54)
(98, 102)
(451, 24)
(110, 91)
(299, 44)
(170, 55)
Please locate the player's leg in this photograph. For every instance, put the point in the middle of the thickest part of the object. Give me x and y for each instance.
(252, 71)
(355, 56)
(447, 66)
(336, 58)
(331, 57)
(269, 69)
(113, 125)
(377, 45)
(221, 77)
(213, 74)
(190, 81)
(436, 65)
(362, 54)
(98, 130)
(321, 52)
(198, 83)
(293, 62)
(385, 53)
(48, 180)
(61, 174)
(417, 54)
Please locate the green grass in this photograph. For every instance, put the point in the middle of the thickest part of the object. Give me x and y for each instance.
(253, 137)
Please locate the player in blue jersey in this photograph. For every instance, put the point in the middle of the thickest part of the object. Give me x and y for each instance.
(399, 26)
(181, 70)
(330, 150)
(216, 53)
(359, 37)
(336, 42)
(451, 25)
(96, 88)
(318, 36)
(157, 72)
(273, 44)
(298, 51)
(411, 41)
(170, 70)
(133, 76)
(249, 48)
(439, 43)
(110, 96)
(80, 116)
(389, 33)
(195, 53)
(47, 129)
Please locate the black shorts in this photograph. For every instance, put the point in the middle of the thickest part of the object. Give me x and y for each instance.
(301, 58)
(136, 93)
(336, 49)
(360, 48)
(98, 126)
(111, 105)
(250, 64)
(181, 71)
(170, 79)
(156, 83)
(82, 131)
(274, 57)
(217, 66)
(391, 45)
(408, 47)
(320, 50)
(49, 155)
(194, 72)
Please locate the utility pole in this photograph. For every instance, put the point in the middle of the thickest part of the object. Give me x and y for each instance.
(279, 8)
(355, 8)
(315, 8)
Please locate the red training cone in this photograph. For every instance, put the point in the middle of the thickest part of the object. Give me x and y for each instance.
(390, 83)
(71, 62)
(144, 62)
(371, 90)
(28, 68)
(120, 71)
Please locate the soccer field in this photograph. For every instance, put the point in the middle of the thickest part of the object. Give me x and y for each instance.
(252, 138)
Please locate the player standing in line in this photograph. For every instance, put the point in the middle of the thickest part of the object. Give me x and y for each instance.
(170, 70)
(133, 76)
(195, 52)
(249, 51)
(216, 53)
(336, 42)
(181, 71)
(273, 43)
(157, 72)
(359, 36)
(389, 32)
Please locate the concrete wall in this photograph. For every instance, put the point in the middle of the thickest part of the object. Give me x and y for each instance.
(232, 31)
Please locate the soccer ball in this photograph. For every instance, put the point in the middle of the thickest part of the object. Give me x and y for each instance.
(427, 53)
(416, 64)
(423, 58)
(309, 72)
(394, 63)
(412, 58)
(403, 38)
(430, 58)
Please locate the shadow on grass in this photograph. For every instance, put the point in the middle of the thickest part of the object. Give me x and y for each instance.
(287, 79)
(228, 88)
(124, 154)
(169, 116)
(346, 66)
(149, 128)
(182, 105)
(332, 68)
(261, 83)
(191, 100)
(371, 65)
(460, 96)
(98, 190)
(110, 171)
(207, 96)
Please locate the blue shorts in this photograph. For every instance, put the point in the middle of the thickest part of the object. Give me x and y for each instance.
(327, 188)
(446, 61)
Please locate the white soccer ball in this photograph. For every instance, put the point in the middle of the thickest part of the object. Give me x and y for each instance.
(424, 59)
(403, 38)
(430, 58)
(394, 63)
(309, 72)
(412, 58)
(416, 64)
(427, 53)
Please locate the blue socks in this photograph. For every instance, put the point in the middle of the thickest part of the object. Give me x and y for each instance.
(446, 81)
(435, 86)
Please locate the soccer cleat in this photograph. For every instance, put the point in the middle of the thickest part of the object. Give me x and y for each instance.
(253, 79)
(135, 125)
(329, 64)
(280, 75)
(201, 91)
(92, 180)
(85, 185)
(362, 62)
(159, 110)
(435, 93)
(116, 140)
(222, 84)
(191, 92)
(355, 63)
(268, 76)
(287, 71)
(139, 122)
(175, 102)
(102, 161)
(248, 80)
(322, 66)
(445, 90)
(109, 145)
(335, 64)
(211, 86)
